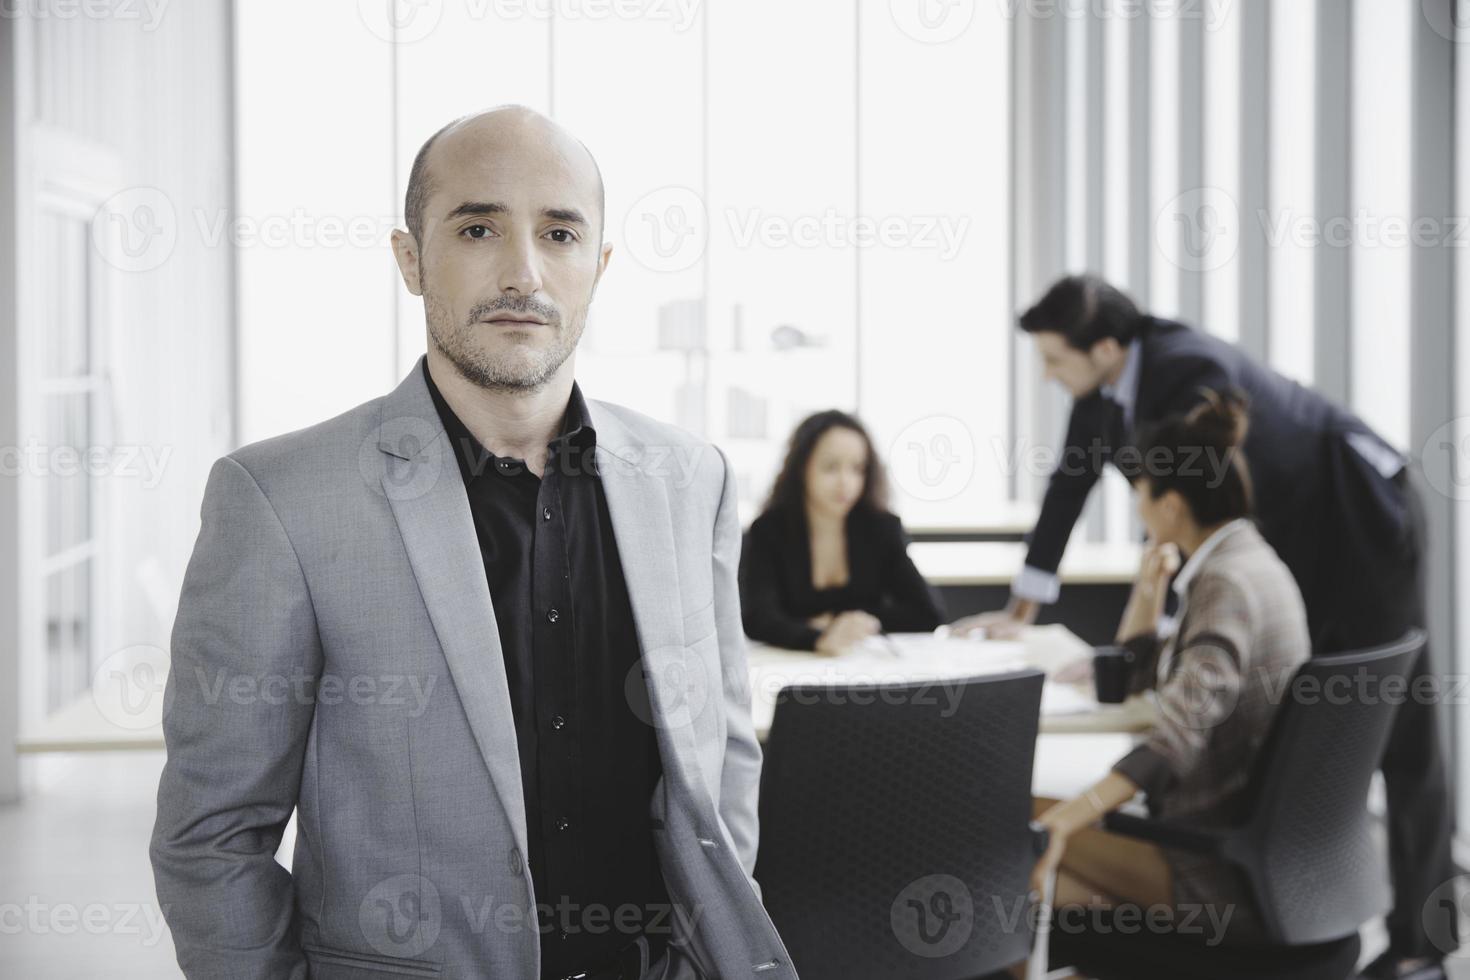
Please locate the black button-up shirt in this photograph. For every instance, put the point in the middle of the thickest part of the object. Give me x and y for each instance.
(589, 762)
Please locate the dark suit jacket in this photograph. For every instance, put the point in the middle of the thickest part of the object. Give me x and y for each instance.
(1310, 485)
(776, 593)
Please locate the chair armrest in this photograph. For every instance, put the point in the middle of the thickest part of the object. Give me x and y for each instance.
(1201, 840)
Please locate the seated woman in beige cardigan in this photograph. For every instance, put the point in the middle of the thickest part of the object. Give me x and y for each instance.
(1242, 634)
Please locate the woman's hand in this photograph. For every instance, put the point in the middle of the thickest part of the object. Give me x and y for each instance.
(1056, 846)
(820, 622)
(1069, 816)
(846, 630)
(1158, 566)
(1078, 671)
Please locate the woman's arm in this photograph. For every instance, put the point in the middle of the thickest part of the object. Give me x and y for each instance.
(910, 604)
(1204, 684)
(1070, 816)
(1150, 589)
(762, 608)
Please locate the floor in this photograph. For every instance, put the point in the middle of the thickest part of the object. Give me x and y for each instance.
(76, 890)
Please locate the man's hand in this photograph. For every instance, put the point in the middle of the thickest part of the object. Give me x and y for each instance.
(847, 630)
(1001, 624)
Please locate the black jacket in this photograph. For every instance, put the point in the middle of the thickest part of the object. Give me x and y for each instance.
(776, 593)
(1308, 483)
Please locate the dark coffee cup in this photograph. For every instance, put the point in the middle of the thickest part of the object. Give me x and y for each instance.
(1110, 672)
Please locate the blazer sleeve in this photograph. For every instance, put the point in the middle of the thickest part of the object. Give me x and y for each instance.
(234, 764)
(1203, 685)
(740, 778)
(1086, 449)
(910, 604)
(761, 606)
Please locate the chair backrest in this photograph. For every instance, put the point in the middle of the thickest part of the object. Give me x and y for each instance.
(1305, 843)
(895, 837)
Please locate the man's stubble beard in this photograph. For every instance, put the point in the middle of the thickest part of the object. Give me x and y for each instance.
(521, 368)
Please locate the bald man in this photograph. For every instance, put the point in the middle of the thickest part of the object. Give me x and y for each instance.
(482, 634)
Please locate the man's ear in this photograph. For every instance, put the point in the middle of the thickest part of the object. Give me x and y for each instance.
(406, 251)
(602, 260)
(1106, 351)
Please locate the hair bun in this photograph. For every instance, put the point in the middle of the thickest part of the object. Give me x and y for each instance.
(1221, 419)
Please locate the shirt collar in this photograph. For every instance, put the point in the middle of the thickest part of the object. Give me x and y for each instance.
(1125, 391)
(1202, 553)
(475, 460)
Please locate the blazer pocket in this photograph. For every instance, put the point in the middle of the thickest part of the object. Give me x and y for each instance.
(699, 624)
(368, 962)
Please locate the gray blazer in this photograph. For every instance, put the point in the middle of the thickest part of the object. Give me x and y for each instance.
(1219, 681)
(336, 652)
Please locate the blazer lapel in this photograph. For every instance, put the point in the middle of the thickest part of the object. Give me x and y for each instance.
(422, 483)
(643, 528)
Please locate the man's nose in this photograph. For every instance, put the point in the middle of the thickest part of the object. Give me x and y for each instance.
(521, 271)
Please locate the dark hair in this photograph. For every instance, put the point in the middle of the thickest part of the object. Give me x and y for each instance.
(1199, 455)
(788, 493)
(1084, 310)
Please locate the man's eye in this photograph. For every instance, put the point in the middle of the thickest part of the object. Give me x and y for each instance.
(562, 236)
(477, 231)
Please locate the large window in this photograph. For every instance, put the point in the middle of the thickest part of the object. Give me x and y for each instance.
(801, 219)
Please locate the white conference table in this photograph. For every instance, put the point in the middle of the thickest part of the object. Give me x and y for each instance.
(916, 657)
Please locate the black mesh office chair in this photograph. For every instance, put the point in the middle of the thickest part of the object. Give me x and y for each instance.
(1303, 844)
(895, 827)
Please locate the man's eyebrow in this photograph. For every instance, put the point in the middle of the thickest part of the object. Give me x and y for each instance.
(477, 207)
(471, 208)
(569, 215)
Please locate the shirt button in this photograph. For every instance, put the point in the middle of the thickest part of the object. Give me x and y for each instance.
(558, 723)
(553, 615)
(563, 823)
(516, 864)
